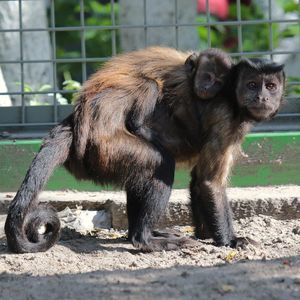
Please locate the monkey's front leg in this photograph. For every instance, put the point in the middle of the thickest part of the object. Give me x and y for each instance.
(211, 212)
(210, 208)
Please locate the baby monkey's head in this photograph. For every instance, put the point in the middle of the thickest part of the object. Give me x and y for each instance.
(208, 71)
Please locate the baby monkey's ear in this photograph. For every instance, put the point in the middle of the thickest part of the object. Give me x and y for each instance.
(191, 64)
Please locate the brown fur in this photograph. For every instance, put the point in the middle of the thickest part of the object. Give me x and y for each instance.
(133, 120)
(126, 80)
(135, 81)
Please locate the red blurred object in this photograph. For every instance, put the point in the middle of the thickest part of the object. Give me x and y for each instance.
(230, 42)
(219, 8)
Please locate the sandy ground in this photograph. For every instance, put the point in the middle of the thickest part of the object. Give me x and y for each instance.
(103, 265)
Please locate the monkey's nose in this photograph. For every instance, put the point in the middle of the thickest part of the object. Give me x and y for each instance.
(260, 99)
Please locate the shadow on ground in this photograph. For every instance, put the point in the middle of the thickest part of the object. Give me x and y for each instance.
(96, 267)
(249, 280)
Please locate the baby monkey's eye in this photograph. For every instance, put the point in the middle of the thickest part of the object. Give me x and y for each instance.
(208, 76)
(271, 86)
(252, 85)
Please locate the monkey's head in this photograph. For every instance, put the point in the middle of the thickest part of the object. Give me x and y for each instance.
(208, 72)
(260, 87)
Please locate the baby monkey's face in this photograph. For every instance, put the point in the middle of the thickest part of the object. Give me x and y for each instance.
(211, 75)
(208, 72)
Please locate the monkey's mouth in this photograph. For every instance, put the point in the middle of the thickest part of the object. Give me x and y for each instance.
(260, 112)
(204, 94)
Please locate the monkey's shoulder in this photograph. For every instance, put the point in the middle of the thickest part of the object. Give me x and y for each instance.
(220, 121)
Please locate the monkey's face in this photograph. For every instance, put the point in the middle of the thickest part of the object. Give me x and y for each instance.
(260, 94)
(210, 77)
(209, 72)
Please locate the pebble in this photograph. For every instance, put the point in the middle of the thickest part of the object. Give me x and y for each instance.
(296, 230)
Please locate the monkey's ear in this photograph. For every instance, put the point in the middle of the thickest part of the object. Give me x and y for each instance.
(191, 63)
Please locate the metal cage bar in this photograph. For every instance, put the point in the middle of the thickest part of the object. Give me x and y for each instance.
(270, 28)
(207, 8)
(239, 27)
(82, 41)
(23, 116)
(176, 24)
(113, 32)
(146, 26)
(54, 66)
(103, 59)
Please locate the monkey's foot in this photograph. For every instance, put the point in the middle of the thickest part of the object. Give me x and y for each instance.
(243, 242)
(164, 240)
(203, 233)
(167, 233)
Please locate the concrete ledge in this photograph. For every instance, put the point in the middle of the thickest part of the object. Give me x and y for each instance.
(282, 202)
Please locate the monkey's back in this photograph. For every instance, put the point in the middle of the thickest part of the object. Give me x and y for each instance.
(130, 70)
(125, 82)
(112, 91)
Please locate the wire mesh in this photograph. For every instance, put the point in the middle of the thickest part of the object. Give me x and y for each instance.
(16, 121)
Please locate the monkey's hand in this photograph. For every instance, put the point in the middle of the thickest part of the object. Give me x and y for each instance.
(143, 132)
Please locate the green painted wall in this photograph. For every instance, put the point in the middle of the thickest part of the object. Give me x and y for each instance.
(272, 158)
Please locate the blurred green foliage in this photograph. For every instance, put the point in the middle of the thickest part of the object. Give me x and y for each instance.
(254, 37)
(293, 85)
(289, 5)
(98, 43)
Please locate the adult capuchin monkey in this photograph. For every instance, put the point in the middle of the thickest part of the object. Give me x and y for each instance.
(134, 119)
(210, 133)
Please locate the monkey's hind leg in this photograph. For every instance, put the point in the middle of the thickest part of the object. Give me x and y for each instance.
(147, 199)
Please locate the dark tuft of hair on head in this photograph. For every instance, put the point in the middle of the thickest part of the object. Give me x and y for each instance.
(218, 53)
(262, 65)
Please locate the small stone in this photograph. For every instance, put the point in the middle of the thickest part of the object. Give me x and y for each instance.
(268, 222)
(184, 274)
(133, 264)
(296, 281)
(204, 249)
(277, 240)
(264, 257)
(212, 251)
(296, 230)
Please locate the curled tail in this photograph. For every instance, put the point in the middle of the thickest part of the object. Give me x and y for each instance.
(30, 226)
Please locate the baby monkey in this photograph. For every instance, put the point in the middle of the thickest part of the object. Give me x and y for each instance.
(208, 72)
(203, 76)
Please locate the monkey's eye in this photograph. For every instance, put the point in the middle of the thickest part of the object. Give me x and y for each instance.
(252, 85)
(271, 86)
(207, 77)
(217, 86)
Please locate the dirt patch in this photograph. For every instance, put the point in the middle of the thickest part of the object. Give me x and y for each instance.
(103, 265)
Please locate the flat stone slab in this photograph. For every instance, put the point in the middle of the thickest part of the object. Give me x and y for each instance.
(281, 202)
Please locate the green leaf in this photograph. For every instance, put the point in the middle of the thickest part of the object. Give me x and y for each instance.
(45, 87)
(291, 31)
(288, 5)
